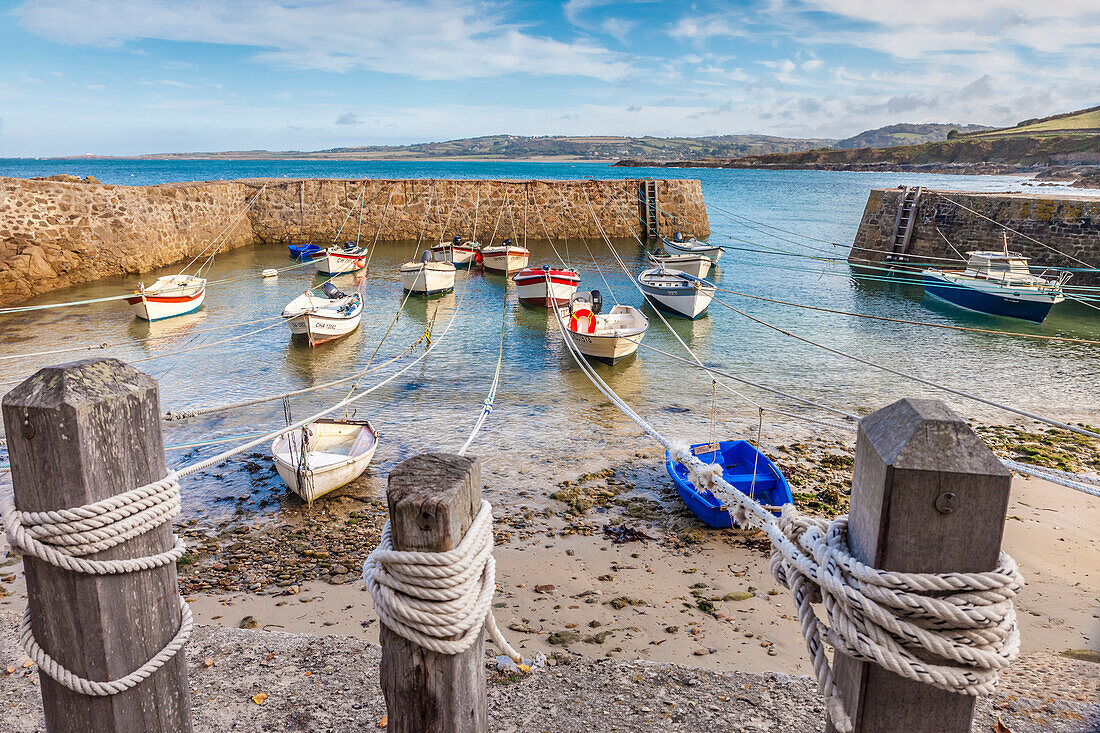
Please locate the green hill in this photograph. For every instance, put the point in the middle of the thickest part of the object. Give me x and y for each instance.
(1081, 122)
(904, 134)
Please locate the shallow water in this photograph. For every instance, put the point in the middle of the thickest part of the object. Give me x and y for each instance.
(547, 418)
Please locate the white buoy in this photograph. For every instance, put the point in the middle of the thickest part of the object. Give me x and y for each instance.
(271, 273)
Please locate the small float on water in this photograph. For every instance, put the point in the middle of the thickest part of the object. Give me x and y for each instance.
(676, 292)
(325, 317)
(427, 277)
(999, 284)
(324, 455)
(505, 257)
(608, 338)
(695, 265)
(546, 286)
(691, 246)
(171, 295)
(335, 260)
(744, 467)
(457, 252)
(304, 251)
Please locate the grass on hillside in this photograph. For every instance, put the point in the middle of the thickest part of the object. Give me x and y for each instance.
(1085, 122)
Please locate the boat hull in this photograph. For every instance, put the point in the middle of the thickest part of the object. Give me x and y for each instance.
(304, 251)
(457, 255)
(505, 259)
(991, 300)
(607, 349)
(334, 263)
(739, 459)
(689, 300)
(149, 307)
(694, 265)
(431, 278)
(700, 250)
(324, 473)
(544, 289)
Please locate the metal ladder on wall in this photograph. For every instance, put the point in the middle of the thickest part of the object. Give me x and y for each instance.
(905, 222)
(649, 209)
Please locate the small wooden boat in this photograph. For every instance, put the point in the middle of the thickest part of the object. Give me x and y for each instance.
(691, 246)
(746, 468)
(324, 455)
(676, 292)
(304, 251)
(695, 265)
(997, 283)
(427, 277)
(457, 252)
(545, 286)
(505, 257)
(336, 260)
(171, 295)
(608, 338)
(325, 317)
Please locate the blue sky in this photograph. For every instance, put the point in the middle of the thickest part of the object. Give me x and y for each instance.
(140, 76)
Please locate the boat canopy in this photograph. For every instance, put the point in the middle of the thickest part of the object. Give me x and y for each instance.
(998, 262)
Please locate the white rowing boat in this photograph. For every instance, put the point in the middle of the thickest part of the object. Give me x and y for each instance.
(695, 265)
(324, 455)
(427, 277)
(692, 246)
(608, 338)
(505, 257)
(457, 252)
(676, 292)
(171, 295)
(336, 260)
(325, 317)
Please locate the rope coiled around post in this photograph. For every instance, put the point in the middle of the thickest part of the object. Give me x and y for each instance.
(439, 600)
(64, 537)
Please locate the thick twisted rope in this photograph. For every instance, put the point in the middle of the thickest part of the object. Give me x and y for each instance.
(64, 537)
(439, 600)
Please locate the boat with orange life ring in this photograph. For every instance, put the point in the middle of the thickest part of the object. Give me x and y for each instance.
(609, 337)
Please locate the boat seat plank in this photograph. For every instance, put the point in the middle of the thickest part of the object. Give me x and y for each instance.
(763, 480)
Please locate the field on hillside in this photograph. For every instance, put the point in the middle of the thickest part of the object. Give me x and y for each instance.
(1079, 123)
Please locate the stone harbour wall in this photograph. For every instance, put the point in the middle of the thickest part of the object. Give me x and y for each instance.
(1069, 224)
(54, 234)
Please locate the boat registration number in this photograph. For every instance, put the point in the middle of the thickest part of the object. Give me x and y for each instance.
(707, 448)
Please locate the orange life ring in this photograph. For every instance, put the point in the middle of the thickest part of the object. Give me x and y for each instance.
(578, 315)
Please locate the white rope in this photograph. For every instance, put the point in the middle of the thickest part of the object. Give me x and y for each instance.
(64, 537)
(1087, 484)
(439, 600)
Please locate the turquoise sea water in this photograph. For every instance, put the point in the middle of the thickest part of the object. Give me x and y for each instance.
(546, 411)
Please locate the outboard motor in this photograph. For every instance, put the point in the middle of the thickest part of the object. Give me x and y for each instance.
(677, 237)
(425, 256)
(332, 292)
(456, 240)
(507, 242)
(349, 245)
(597, 302)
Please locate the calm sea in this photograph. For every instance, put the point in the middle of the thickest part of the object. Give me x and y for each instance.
(546, 411)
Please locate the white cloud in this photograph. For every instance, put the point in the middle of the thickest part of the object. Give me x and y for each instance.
(702, 28)
(426, 39)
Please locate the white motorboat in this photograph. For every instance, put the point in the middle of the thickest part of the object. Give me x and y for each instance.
(324, 317)
(335, 260)
(427, 277)
(695, 265)
(324, 455)
(457, 252)
(505, 257)
(608, 338)
(676, 292)
(691, 246)
(171, 295)
(546, 286)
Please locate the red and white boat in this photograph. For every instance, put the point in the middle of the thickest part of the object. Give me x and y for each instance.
(505, 257)
(171, 295)
(457, 252)
(335, 260)
(545, 286)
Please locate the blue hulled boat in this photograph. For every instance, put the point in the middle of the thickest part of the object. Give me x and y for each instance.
(738, 459)
(304, 251)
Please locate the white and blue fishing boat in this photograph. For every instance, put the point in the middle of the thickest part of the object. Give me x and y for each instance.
(676, 292)
(999, 284)
(747, 469)
(679, 245)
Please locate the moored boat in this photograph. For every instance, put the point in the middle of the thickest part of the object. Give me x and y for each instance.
(427, 277)
(676, 292)
(335, 260)
(608, 338)
(545, 286)
(324, 455)
(999, 284)
(304, 251)
(744, 467)
(171, 295)
(505, 257)
(691, 246)
(325, 317)
(457, 252)
(695, 265)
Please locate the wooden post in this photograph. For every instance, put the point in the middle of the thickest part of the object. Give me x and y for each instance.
(928, 496)
(433, 499)
(80, 433)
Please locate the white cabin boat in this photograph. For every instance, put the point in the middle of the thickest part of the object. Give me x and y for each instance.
(505, 257)
(608, 338)
(676, 292)
(695, 265)
(692, 246)
(171, 295)
(457, 252)
(325, 317)
(324, 455)
(335, 260)
(546, 286)
(427, 277)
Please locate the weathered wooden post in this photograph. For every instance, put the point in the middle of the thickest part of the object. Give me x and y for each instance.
(80, 433)
(433, 499)
(928, 496)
